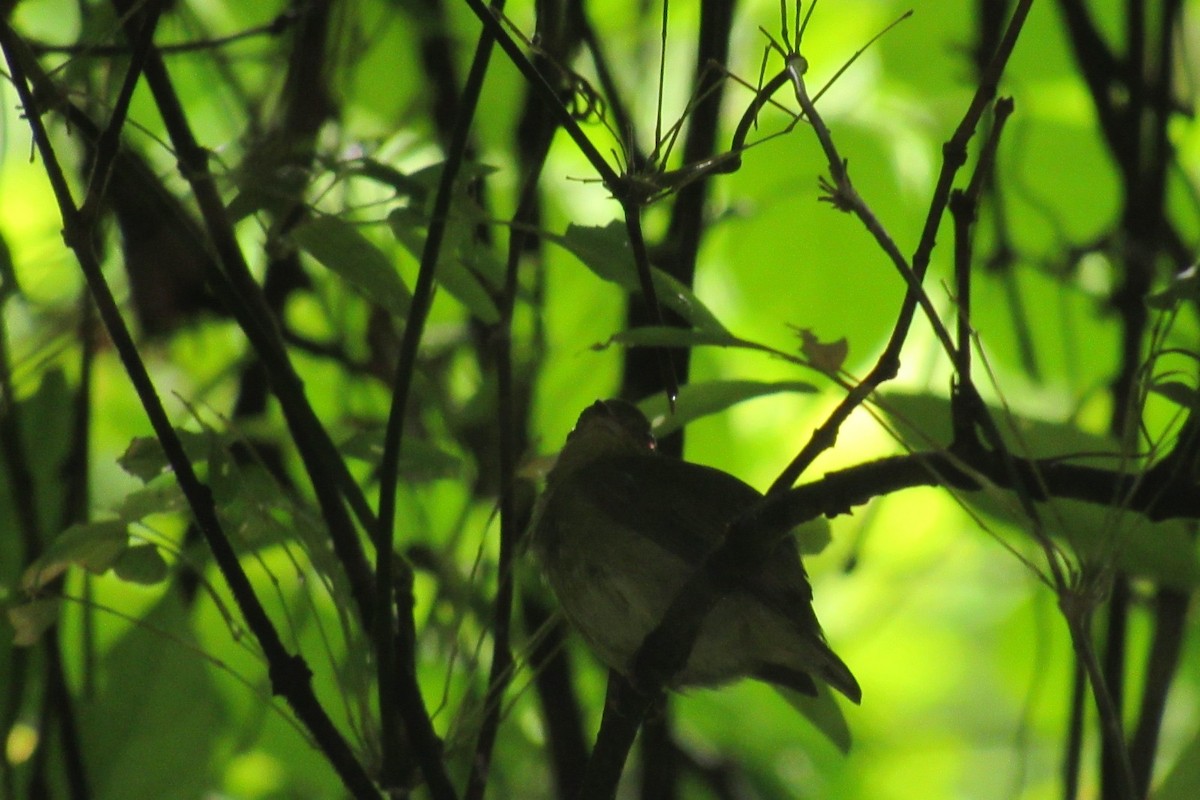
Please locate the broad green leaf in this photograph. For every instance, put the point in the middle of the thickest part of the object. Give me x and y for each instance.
(465, 265)
(409, 228)
(268, 178)
(924, 422)
(141, 563)
(419, 460)
(463, 203)
(702, 399)
(340, 247)
(668, 336)
(1178, 393)
(162, 496)
(606, 252)
(95, 546)
(1164, 551)
(468, 289)
(813, 537)
(145, 459)
(407, 186)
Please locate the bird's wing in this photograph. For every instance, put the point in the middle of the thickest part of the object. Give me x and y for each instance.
(683, 508)
(631, 491)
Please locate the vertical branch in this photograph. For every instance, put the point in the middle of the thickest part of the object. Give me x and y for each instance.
(631, 208)
(1073, 755)
(1135, 129)
(551, 667)
(685, 230)
(1121, 777)
(510, 523)
(965, 407)
(1114, 755)
(1166, 648)
(384, 632)
(625, 706)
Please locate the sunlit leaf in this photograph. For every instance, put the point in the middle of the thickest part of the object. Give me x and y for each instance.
(452, 273)
(668, 336)
(701, 399)
(419, 460)
(606, 252)
(341, 247)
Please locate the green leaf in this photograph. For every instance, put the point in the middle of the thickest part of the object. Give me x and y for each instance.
(702, 399)
(145, 459)
(420, 461)
(95, 546)
(340, 247)
(1178, 393)
(408, 225)
(606, 252)
(465, 265)
(407, 186)
(468, 289)
(923, 422)
(463, 203)
(669, 336)
(158, 497)
(141, 563)
(813, 536)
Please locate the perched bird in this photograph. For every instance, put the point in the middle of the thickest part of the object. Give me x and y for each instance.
(620, 528)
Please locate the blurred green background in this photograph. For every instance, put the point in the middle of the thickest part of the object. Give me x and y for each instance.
(933, 599)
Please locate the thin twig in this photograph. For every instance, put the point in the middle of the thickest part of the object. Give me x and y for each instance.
(954, 156)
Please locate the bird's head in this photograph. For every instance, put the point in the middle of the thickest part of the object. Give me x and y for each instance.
(605, 428)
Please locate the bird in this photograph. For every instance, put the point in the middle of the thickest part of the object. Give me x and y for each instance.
(618, 530)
